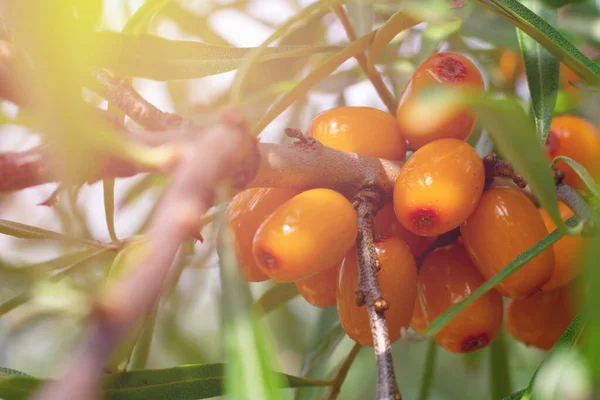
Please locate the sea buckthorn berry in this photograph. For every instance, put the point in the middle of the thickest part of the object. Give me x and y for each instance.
(386, 224)
(398, 284)
(504, 225)
(319, 289)
(567, 251)
(575, 138)
(510, 67)
(541, 319)
(245, 213)
(443, 69)
(306, 235)
(438, 187)
(363, 130)
(448, 276)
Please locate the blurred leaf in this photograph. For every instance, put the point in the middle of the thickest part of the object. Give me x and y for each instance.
(541, 31)
(156, 58)
(542, 70)
(440, 30)
(140, 187)
(108, 186)
(499, 369)
(193, 23)
(511, 268)
(561, 3)
(317, 75)
(11, 372)
(315, 361)
(141, 350)
(582, 172)
(564, 376)
(249, 373)
(427, 377)
(142, 17)
(515, 396)
(397, 23)
(23, 231)
(362, 16)
(484, 25)
(277, 295)
(189, 382)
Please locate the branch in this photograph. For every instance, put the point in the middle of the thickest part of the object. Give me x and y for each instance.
(226, 152)
(373, 76)
(367, 203)
(340, 377)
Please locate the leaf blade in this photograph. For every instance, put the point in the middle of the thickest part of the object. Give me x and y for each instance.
(23, 231)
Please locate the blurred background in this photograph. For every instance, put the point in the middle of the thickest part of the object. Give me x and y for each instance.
(40, 334)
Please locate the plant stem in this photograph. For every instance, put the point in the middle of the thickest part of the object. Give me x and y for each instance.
(109, 207)
(373, 75)
(343, 372)
(367, 203)
(571, 198)
(499, 370)
(427, 377)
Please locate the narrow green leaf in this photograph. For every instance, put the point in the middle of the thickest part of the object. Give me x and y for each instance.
(500, 386)
(427, 376)
(362, 16)
(142, 17)
(440, 30)
(141, 351)
(109, 207)
(511, 268)
(249, 374)
(397, 23)
(277, 295)
(11, 372)
(140, 187)
(541, 31)
(23, 231)
(189, 382)
(314, 362)
(317, 75)
(542, 70)
(516, 396)
(583, 173)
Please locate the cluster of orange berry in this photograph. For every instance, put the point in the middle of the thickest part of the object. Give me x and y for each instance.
(308, 237)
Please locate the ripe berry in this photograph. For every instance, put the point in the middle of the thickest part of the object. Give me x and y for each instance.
(447, 277)
(386, 224)
(363, 130)
(245, 213)
(504, 225)
(441, 69)
(398, 284)
(567, 250)
(510, 67)
(576, 138)
(319, 289)
(541, 319)
(566, 76)
(306, 235)
(438, 187)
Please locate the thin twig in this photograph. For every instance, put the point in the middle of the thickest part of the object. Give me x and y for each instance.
(367, 202)
(226, 152)
(340, 377)
(372, 74)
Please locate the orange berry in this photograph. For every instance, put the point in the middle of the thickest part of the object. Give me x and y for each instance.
(447, 277)
(245, 213)
(398, 284)
(566, 75)
(540, 320)
(386, 224)
(567, 251)
(578, 139)
(438, 187)
(306, 235)
(319, 289)
(504, 225)
(363, 130)
(510, 66)
(443, 69)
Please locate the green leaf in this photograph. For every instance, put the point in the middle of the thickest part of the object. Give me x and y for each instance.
(11, 372)
(397, 23)
(516, 396)
(317, 75)
(142, 17)
(23, 231)
(160, 59)
(109, 207)
(511, 268)
(440, 30)
(189, 382)
(362, 16)
(249, 374)
(427, 376)
(314, 362)
(277, 295)
(541, 31)
(583, 173)
(499, 369)
(542, 70)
